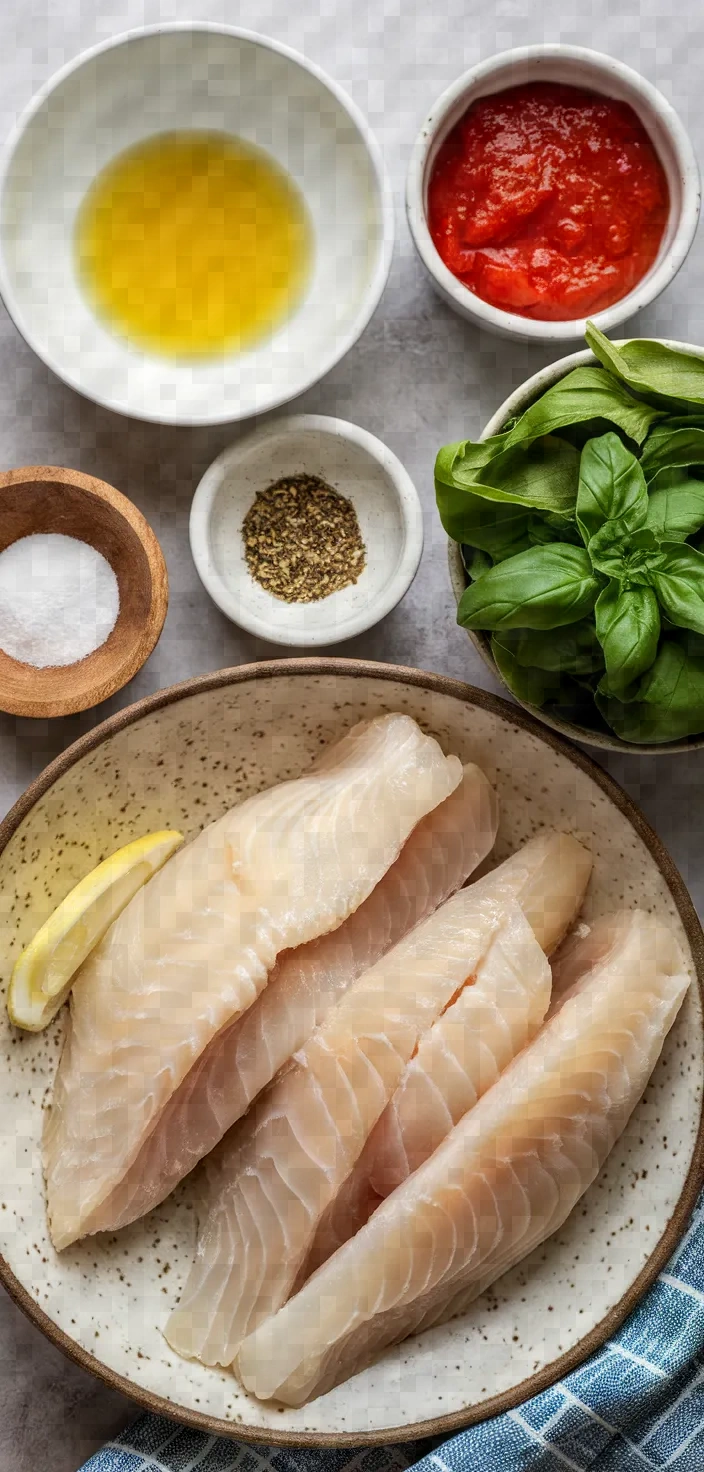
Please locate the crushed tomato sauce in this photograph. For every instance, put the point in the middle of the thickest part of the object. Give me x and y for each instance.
(548, 201)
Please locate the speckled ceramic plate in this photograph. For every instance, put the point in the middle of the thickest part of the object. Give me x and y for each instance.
(181, 758)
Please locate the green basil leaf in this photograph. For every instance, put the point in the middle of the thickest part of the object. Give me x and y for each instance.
(630, 557)
(499, 530)
(475, 561)
(544, 475)
(553, 528)
(543, 687)
(644, 539)
(650, 367)
(585, 393)
(457, 464)
(690, 419)
(623, 693)
(629, 722)
(675, 506)
(666, 479)
(673, 450)
(566, 697)
(541, 535)
(692, 643)
(572, 649)
(534, 686)
(672, 424)
(679, 584)
(611, 487)
(670, 703)
(628, 628)
(542, 588)
(582, 395)
(563, 524)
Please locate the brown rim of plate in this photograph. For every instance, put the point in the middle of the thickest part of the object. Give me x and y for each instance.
(595, 1339)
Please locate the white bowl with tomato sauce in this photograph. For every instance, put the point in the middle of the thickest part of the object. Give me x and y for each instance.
(558, 207)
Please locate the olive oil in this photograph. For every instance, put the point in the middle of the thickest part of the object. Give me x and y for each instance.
(193, 244)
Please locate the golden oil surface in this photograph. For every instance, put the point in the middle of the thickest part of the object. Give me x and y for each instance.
(193, 244)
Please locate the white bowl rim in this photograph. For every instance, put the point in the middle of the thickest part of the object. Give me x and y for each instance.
(409, 506)
(511, 324)
(375, 288)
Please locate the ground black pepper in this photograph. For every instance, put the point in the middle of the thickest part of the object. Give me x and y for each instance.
(302, 539)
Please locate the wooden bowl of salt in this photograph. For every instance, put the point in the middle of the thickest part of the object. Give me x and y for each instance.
(83, 591)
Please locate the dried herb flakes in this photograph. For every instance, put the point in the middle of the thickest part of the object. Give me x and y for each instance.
(302, 540)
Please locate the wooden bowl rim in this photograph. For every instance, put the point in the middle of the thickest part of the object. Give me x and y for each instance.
(126, 668)
(595, 1339)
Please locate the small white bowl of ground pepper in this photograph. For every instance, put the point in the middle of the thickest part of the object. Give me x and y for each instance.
(307, 531)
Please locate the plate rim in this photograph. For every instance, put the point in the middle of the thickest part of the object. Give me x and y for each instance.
(506, 1400)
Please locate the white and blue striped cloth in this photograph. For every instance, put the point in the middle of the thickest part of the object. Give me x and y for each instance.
(636, 1406)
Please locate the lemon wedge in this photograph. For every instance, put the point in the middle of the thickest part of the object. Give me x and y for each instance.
(42, 976)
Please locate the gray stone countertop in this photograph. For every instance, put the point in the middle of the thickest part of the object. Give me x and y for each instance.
(418, 378)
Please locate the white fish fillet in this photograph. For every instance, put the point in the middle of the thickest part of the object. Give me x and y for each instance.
(585, 948)
(194, 948)
(440, 854)
(470, 1045)
(548, 876)
(460, 1057)
(280, 1169)
(505, 1178)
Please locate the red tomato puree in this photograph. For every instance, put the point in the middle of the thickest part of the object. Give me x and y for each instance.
(548, 201)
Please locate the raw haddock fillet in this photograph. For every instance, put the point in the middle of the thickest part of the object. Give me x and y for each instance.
(548, 876)
(472, 1042)
(505, 1178)
(280, 1170)
(440, 854)
(194, 948)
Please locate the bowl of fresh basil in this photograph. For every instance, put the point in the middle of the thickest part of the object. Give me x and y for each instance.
(576, 526)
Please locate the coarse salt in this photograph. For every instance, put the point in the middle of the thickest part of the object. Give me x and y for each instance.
(59, 599)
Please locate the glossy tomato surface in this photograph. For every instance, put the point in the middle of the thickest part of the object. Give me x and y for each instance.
(548, 201)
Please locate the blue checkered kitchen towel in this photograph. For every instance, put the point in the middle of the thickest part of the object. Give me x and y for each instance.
(636, 1405)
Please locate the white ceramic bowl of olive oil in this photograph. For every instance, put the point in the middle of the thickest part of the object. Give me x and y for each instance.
(352, 463)
(206, 144)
